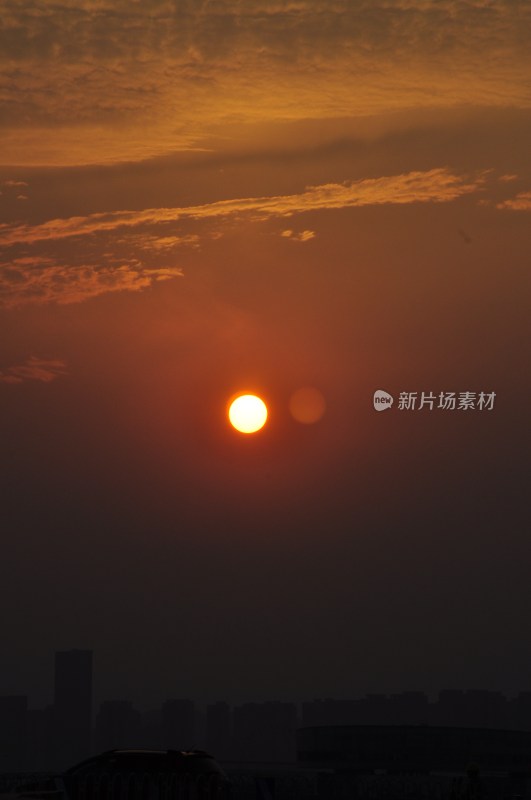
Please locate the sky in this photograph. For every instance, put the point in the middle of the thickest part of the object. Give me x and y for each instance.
(201, 198)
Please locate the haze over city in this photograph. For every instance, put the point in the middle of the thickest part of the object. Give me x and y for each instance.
(74, 727)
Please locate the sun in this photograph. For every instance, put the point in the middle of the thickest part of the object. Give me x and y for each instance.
(248, 413)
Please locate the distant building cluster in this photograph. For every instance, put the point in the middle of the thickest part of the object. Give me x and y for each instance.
(67, 732)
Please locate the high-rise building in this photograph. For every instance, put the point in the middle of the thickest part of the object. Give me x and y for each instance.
(265, 731)
(118, 726)
(218, 730)
(73, 706)
(41, 733)
(178, 724)
(13, 730)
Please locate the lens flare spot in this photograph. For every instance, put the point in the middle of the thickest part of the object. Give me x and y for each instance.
(307, 405)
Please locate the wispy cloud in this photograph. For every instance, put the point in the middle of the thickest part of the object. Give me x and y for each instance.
(301, 236)
(130, 250)
(141, 79)
(521, 202)
(436, 185)
(44, 370)
(164, 243)
(26, 281)
(12, 184)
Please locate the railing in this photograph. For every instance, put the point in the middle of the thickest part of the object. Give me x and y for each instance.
(135, 786)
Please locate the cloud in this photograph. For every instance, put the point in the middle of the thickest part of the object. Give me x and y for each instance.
(86, 82)
(522, 202)
(11, 184)
(27, 281)
(436, 185)
(163, 243)
(34, 369)
(129, 250)
(302, 236)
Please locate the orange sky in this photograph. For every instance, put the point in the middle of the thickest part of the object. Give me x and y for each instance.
(198, 197)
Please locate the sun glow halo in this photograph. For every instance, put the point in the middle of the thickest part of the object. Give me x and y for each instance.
(248, 413)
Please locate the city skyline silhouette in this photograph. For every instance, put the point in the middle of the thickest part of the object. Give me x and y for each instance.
(75, 727)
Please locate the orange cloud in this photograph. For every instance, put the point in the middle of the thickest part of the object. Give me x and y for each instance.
(164, 243)
(34, 369)
(522, 202)
(436, 185)
(131, 256)
(91, 82)
(12, 184)
(302, 236)
(24, 281)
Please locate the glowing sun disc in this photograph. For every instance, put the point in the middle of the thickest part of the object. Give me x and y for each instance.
(248, 413)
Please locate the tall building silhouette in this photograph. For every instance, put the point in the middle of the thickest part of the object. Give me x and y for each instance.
(41, 735)
(13, 733)
(118, 726)
(178, 724)
(265, 731)
(218, 730)
(72, 706)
